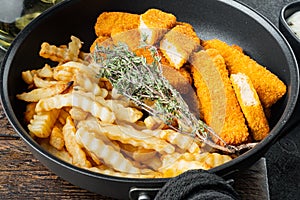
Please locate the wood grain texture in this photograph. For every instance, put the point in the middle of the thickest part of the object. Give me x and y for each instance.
(22, 176)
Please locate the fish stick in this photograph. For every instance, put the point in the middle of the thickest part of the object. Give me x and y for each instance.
(108, 21)
(154, 24)
(179, 43)
(218, 104)
(267, 85)
(251, 106)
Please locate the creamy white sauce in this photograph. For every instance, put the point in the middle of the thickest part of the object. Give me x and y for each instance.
(294, 23)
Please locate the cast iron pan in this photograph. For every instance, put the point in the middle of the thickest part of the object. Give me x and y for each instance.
(224, 19)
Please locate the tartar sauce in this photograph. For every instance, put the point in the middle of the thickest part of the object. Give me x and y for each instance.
(294, 23)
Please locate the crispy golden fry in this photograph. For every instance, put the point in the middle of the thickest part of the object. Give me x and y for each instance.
(153, 123)
(184, 142)
(105, 152)
(41, 93)
(267, 85)
(63, 116)
(118, 107)
(30, 112)
(27, 77)
(78, 155)
(89, 85)
(75, 99)
(42, 123)
(251, 106)
(211, 160)
(179, 43)
(61, 154)
(78, 114)
(56, 138)
(62, 54)
(232, 128)
(128, 135)
(108, 21)
(45, 72)
(41, 83)
(154, 24)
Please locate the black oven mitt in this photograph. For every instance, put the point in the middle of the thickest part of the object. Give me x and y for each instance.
(197, 184)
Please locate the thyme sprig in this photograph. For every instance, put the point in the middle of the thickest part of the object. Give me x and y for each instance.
(142, 83)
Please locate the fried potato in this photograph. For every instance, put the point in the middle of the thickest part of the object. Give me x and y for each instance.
(75, 99)
(105, 152)
(42, 93)
(27, 77)
(30, 112)
(128, 135)
(45, 72)
(78, 155)
(89, 85)
(184, 142)
(61, 54)
(56, 138)
(41, 83)
(42, 123)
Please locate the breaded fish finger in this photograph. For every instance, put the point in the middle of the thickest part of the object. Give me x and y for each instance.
(251, 106)
(108, 21)
(267, 85)
(154, 24)
(179, 43)
(218, 100)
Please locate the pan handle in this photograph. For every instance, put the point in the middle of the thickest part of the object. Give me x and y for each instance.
(136, 193)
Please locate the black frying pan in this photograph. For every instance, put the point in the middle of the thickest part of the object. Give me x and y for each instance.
(224, 19)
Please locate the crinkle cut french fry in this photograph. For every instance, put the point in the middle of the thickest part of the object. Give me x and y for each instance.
(41, 83)
(78, 155)
(27, 77)
(56, 138)
(41, 93)
(89, 85)
(30, 112)
(105, 152)
(61, 54)
(185, 142)
(74, 99)
(121, 112)
(128, 135)
(45, 72)
(78, 114)
(43, 122)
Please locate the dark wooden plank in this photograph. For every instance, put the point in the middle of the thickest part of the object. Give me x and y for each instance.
(5, 128)
(24, 177)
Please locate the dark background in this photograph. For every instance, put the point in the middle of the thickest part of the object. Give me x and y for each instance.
(283, 159)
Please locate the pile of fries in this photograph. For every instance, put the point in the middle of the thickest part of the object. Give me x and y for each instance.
(82, 120)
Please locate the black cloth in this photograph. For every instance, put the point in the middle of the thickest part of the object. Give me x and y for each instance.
(197, 184)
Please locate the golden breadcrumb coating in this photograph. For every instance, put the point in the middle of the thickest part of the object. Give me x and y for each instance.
(155, 23)
(251, 106)
(122, 21)
(101, 41)
(179, 43)
(267, 85)
(232, 128)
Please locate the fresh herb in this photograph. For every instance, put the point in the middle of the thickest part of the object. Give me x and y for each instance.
(145, 85)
